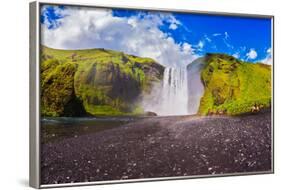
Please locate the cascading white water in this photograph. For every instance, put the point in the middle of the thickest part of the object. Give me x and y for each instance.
(174, 98)
(179, 93)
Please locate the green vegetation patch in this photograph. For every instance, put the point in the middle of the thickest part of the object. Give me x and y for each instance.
(104, 82)
(233, 86)
(57, 89)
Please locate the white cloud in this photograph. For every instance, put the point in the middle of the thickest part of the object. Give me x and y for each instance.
(174, 23)
(217, 34)
(207, 38)
(236, 55)
(138, 35)
(226, 36)
(226, 41)
(200, 44)
(268, 59)
(252, 54)
(52, 23)
(173, 26)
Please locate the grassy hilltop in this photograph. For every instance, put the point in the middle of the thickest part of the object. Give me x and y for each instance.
(233, 86)
(94, 81)
(106, 82)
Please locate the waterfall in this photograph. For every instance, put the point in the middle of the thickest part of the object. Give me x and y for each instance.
(174, 98)
(179, 93)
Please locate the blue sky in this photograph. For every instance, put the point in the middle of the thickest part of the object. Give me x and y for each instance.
(223, 34)
(244, 37)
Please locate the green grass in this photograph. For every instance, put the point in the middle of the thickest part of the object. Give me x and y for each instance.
(56, 86)
(234, 86)
(105, 81)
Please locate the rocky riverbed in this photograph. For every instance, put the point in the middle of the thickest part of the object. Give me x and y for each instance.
(161, 147)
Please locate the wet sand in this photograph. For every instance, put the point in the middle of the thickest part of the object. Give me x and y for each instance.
(161, 147)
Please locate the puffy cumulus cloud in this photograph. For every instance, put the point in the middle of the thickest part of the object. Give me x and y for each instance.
(82, 28)
(268, 59)
(252, 54)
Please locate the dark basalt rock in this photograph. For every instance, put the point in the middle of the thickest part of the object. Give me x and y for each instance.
(149, 113)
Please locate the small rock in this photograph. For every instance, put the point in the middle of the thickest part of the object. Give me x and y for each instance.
(203, 155)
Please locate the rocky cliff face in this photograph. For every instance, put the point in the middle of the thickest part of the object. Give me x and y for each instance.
(96, 82)
(195, 87)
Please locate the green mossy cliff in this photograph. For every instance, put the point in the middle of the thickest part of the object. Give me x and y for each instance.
(234, 87)
(94, 82)
(106, 82)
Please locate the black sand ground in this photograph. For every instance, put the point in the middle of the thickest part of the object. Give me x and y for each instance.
(162, 147)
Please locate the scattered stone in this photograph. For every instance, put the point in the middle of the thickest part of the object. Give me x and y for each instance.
(186, 147)
(203, 155)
